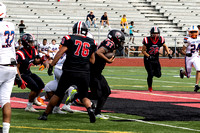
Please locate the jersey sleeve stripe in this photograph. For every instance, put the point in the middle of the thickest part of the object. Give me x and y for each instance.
(146, 40)
(162, 39)
(21, 54)
(67, 37)
(36, 53)
(95, 42)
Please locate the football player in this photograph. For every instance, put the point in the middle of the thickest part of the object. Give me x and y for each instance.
(99, 87)
(76, 69)
(7, 67)
(191, 51)
(53, 48)
(150, 49)
(26, 57)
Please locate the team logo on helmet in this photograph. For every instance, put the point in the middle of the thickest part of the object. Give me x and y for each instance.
(118, 34)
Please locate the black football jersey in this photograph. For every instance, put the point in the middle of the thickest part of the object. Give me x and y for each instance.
(26, 59)
(100, 63)
(153, 47)
(80, 49)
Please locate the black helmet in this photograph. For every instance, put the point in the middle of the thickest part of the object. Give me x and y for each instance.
(27, 39)
(155, 30)
(80, 28)
(117, 37)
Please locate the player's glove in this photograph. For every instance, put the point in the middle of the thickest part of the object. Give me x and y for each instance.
(170, 56)
(41, 68)
(151, 57)
(23, 86)
(189, 54)
(50, 70)
(20, 82)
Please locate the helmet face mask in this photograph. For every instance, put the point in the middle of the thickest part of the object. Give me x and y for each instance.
(193, 32)
(155, 33)
(117, 37)
(27, 40)
(2, 10)
(80, 28)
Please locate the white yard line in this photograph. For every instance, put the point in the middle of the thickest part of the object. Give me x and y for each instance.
(162, 95)
(146, 80)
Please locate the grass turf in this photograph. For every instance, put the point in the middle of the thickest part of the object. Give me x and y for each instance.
(128, 78)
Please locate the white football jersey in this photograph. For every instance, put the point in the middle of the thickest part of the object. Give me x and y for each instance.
(60, 62)
(7, 47)
(44, 48)
(192, 45)
(54, 47)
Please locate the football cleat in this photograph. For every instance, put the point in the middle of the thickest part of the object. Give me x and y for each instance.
(150, 89)
(39, 99)
(102, 117)
(91, 115)
(42, 117)
(31, 109)
(67, 108)
(56, 110)
(196, 88)
(181, 73)
(70, 98)
(36, 102)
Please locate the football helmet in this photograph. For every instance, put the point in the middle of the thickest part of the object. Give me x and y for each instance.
(2, 10)
(27, 40)
(80, 28)
(117, 37)
(193, 32)
(155, 32)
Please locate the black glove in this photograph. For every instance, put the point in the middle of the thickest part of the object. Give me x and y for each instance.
(151, 57)
(170, 56)
(189, 54)
(18, 80)
(50, 70)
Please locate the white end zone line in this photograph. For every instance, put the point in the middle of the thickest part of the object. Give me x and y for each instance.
(141, 121)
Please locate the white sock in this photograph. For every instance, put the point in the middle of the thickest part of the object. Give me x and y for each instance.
(109, 27)
(29, 104)
(6, 127)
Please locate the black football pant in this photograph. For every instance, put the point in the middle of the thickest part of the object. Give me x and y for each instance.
(153, 68)
(100, 91)
(33, 81)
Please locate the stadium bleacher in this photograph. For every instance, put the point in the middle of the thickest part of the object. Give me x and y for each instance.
(51, 19)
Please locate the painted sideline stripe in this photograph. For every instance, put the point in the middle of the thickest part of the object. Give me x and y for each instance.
(79, 130)
(159, 95)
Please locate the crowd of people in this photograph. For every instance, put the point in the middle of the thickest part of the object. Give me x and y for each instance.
(78, 64)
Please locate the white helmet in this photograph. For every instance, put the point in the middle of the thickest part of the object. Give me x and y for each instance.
(193, 28)
(193, 31)
(2, 10)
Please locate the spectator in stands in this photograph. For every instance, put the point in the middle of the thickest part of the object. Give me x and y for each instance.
(104, 21)
(123, 30)
(91, 20)
(21, 27)
(124, 22)
(131, 30)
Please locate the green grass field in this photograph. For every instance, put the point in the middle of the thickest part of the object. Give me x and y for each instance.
(123, 78)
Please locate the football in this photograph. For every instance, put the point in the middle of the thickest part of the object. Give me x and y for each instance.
(109, 55)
